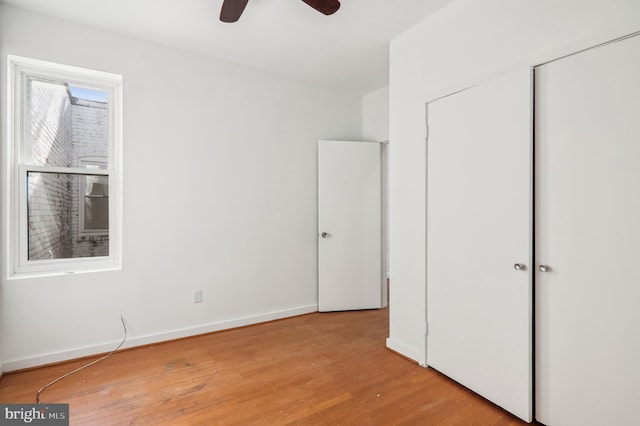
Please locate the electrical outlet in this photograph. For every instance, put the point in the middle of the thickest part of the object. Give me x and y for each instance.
(197, 296)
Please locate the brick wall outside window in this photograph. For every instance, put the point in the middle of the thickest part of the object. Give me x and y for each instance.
(64, 130)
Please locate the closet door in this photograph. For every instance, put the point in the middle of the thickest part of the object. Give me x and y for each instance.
(587, 226)
(479, 306)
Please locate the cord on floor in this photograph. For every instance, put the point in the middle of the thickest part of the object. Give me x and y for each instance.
(86, 365)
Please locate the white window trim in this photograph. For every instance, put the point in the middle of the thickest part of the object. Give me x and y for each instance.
(15, 220)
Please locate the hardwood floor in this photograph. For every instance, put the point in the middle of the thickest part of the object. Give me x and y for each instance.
(316, 369)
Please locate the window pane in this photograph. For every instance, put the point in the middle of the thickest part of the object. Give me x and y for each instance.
(65, 123)
(58, 215)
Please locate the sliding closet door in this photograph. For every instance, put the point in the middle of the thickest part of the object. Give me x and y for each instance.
(479, 305)
(587, 156)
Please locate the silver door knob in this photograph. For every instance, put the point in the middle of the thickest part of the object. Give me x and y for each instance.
(324, 234)
(543, 268)
(520, 267)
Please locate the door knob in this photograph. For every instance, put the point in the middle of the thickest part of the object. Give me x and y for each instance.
(324, 234)
(520, 267)
(543, 268)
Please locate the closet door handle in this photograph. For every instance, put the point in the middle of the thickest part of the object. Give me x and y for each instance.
(543, 268)
(520, 267)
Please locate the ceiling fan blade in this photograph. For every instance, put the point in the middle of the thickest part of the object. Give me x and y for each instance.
(327, 7)
(232, 10)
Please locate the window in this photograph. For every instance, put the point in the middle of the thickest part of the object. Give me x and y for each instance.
(64, 161)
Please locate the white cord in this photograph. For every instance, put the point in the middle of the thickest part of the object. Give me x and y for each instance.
(87, 365)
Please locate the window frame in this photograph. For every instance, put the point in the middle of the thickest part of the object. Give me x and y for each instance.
(17, 166)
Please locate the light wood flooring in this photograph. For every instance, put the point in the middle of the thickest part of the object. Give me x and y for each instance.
(316, 369)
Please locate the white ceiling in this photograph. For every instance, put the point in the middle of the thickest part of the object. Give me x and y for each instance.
(348, 49)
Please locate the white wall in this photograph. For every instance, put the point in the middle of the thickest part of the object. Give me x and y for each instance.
(463, 44)
(219, 195)
(375, 115)
(375, 127)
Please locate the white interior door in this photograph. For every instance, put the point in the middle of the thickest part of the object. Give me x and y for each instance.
(349, 225)
(479, 301)
(588, 234)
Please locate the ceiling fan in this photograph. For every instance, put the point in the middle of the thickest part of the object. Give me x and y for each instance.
(232, 9)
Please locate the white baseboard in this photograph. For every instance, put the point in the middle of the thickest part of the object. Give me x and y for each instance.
(406, 350)
(133, 341)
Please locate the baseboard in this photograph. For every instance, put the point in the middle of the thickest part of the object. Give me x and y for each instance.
(134, 341)
(405, 350)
